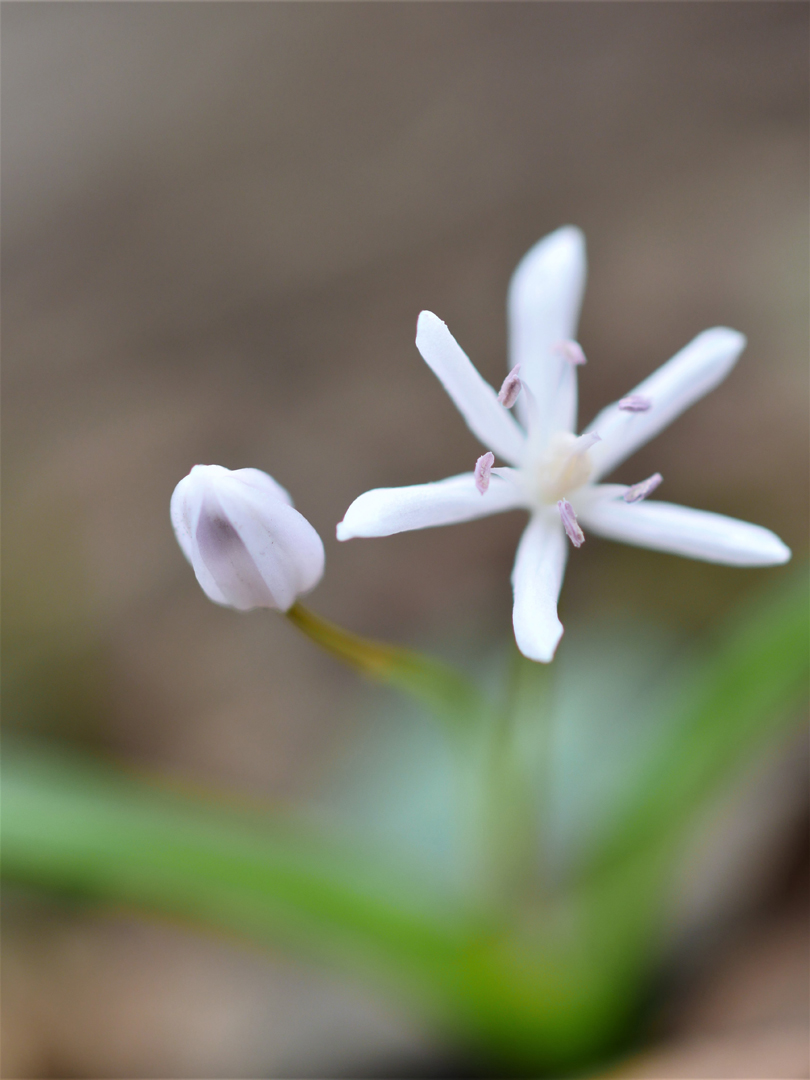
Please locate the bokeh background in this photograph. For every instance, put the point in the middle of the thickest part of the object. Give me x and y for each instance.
(220, 223)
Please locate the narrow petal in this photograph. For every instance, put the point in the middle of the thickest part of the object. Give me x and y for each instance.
(536, 580)
(696, 534)
(474, 398)
(222, 557)
(545, 295)
(186, 504)
(281, 548)
(682, 381)
(385, 511)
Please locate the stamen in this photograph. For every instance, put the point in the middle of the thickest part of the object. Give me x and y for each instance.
(570, 523)
(585, 442)
(635, 403)
(532, 410)
(571, 351)
(510, 390)
(482, 471)
(640, 491)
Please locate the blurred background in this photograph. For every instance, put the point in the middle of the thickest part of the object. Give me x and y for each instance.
(220, 224)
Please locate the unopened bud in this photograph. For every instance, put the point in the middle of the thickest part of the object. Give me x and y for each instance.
(248, 546)
(570, 523)
(640, 491)
(483, 471)
(570, 351)
(510, 390)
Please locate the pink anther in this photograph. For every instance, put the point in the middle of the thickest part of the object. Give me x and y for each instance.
(510, 390)
(570, 351)
(635, 403)
(483, 470)
(570, 523)
(640, 491)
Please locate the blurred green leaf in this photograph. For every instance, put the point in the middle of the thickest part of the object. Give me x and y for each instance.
(522, 996)
(738, 693)
(69, 823)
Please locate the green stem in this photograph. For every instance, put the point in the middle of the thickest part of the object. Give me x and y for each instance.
(518, 782)
(450, 696)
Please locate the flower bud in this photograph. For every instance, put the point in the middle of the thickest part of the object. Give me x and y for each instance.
(248, 546)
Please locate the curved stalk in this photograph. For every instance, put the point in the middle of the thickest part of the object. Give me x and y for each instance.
(449, 695)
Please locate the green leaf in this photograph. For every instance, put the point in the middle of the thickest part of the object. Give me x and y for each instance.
(741, 693)
(526, 1001)
(76, 825)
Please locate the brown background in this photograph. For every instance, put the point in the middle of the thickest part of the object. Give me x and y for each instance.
(220, 223)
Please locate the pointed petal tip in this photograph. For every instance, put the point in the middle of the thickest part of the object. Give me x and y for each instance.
(781, 552)
(542, 652)
(565, 245)
(566, 237)
(342, 531)
(723, 337)
(426, 322)
(569, 235)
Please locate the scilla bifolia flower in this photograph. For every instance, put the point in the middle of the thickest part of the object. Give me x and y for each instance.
(551, 472)
(248, 546)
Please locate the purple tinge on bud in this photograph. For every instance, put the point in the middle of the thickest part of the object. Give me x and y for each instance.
(640, 491)
(510, 390)
(570, 523)
(249, 548)
(635, 403)
(483, 471)
(570, 351)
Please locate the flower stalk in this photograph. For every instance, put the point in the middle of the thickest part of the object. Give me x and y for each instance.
(451, 697)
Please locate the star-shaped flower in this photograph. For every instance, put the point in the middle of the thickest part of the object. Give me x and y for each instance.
(551, 472)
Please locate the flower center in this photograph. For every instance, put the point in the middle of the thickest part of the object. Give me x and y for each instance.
(563, 466)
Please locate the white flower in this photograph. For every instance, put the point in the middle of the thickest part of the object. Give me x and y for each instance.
(248, 546)
(552, 473)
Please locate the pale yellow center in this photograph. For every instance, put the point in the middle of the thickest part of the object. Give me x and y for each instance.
(561, 468)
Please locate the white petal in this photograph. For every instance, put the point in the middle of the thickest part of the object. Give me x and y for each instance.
(697, 534)
(186, 504)
(282, 545)
(536, 580)
(472, 395)
(679, 383)
(222, 557)
(181, 514)
(545, 295)
(264, 483)
(187, 499)
(385, 511)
